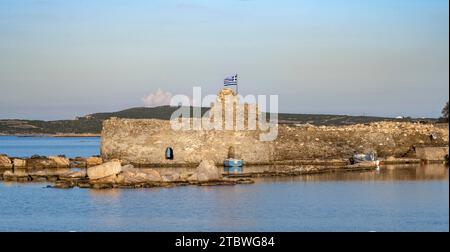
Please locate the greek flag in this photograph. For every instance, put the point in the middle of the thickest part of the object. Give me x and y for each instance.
(230, 80)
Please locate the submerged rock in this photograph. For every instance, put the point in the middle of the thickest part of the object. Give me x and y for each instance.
(8, 175)
(64, 184)
(52, 178)
(56, 172)
(38, 179)
(244, 181)
(216, 183)
(105, 180)
(101, 186)
(83, 183)
(74, 175)
(13, 176)
(104, 170)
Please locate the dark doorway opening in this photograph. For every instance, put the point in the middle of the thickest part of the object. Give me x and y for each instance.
(169, 153)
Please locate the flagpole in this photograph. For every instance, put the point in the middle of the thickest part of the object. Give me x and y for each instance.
(237, 86)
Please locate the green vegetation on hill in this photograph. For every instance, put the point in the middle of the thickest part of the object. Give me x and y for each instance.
(93, 123)
(32, 127)
(162, 112)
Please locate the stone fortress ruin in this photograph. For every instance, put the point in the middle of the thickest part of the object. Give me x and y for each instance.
(144, 142)
(131, 148)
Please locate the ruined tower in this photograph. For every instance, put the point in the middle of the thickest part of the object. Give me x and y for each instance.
(234, 113)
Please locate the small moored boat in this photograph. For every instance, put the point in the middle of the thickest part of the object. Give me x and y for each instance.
(365, 158)
(232, 162)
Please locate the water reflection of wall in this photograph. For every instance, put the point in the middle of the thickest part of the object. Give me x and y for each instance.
(386, 173)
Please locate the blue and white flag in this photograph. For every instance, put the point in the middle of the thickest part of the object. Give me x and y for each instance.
(230, 80)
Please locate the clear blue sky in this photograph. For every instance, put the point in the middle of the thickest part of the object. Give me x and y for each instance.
(60, 59)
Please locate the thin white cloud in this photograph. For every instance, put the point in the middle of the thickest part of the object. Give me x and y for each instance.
(157, 98)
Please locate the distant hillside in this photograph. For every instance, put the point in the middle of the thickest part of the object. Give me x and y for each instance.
(162, 112)
(93, 123)
(36, 127)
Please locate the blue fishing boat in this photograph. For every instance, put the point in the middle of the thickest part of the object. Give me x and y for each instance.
(232, 162)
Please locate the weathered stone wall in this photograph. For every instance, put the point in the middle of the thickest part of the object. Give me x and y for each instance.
(143, 142)
(386, 138)
(432, 153)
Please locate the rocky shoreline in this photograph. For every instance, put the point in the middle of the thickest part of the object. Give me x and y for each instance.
(133, 154)
(95, 173)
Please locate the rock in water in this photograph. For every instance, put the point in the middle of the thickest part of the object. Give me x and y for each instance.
(109, 180)
(5, 162)
(8, 175)
(93, 161)
(207, 171)
(64, 184)
(130, 176)
(104, 170)
(60, 162)
(74, 175)
(38, 162)
(133, 177)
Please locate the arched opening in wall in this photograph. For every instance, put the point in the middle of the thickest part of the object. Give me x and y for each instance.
(169, 153)
(231, 152)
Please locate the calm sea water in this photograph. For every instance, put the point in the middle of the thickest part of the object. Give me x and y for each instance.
(396, 198)
(15, 146)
